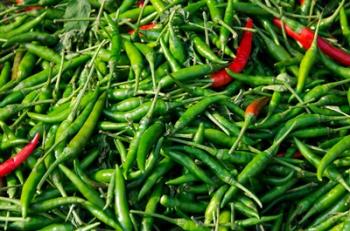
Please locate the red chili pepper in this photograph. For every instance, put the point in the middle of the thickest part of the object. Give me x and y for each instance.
(28, 8)
(149, 26)
(296, 31)
(254, 108)
(140, 3)
(301, 2)
(305, 36)
(221, 78)
(11, 164)
(251, 113)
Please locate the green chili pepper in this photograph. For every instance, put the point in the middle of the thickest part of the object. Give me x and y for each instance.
(164, 166)
(169, 57)
(136, 114)
(189, 165)
(344, 24)
(176, 46)
(135, 60)
(193, 111)
(147, 140)
(306, 64)
(31, 223)
(339, 207)
(126, 5)
(325, 23)
(182, 179)
(256, 165)
(75, 146)
(43, 38)
(326, 201)
(185, 224)
(151, 207)
(219, 170)
(24, 27)
(28, 190)
(133, 14)
(58, 227)
(253, 80)
(101, 215)
(5, 74)
(44, 52)
(278, 191)
(18, 21)
(128, 104)
(183, 205)
(332, 154)
(334, 67)
(214, 204)
(158, 5)
(103, 175)
(115, 40)
(279, 53)
(55, 203)
(42, 76)
(149, 54)
(143, 125)
(228, 19)
(216, 41)
(90, 158)
(326, 225)
(26, 65)
(9, 110)
(204, 50)
(224, 218)
(18, 57)
(87, 191)
(121, 205)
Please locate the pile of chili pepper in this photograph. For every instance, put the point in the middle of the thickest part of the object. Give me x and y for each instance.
(174, 115)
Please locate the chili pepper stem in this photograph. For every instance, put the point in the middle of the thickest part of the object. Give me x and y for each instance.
(139, 18)
(247, 121)
(58, 79)
(165, 218)
(228, 27)
(12, 219)
(135, 142)
(190, 143)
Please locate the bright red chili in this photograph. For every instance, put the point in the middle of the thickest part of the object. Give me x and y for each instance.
(221, 78)
(149, 26)
(11, 164)
(254, 108)
(305, 36)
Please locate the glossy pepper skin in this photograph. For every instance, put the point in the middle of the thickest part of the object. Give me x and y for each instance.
(305, 37)
(11, 164)
(221, 78)
(203, 154)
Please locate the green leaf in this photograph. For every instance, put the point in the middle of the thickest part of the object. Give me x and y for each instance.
(77, 9)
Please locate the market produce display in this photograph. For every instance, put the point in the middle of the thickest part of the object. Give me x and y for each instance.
(174, 115)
